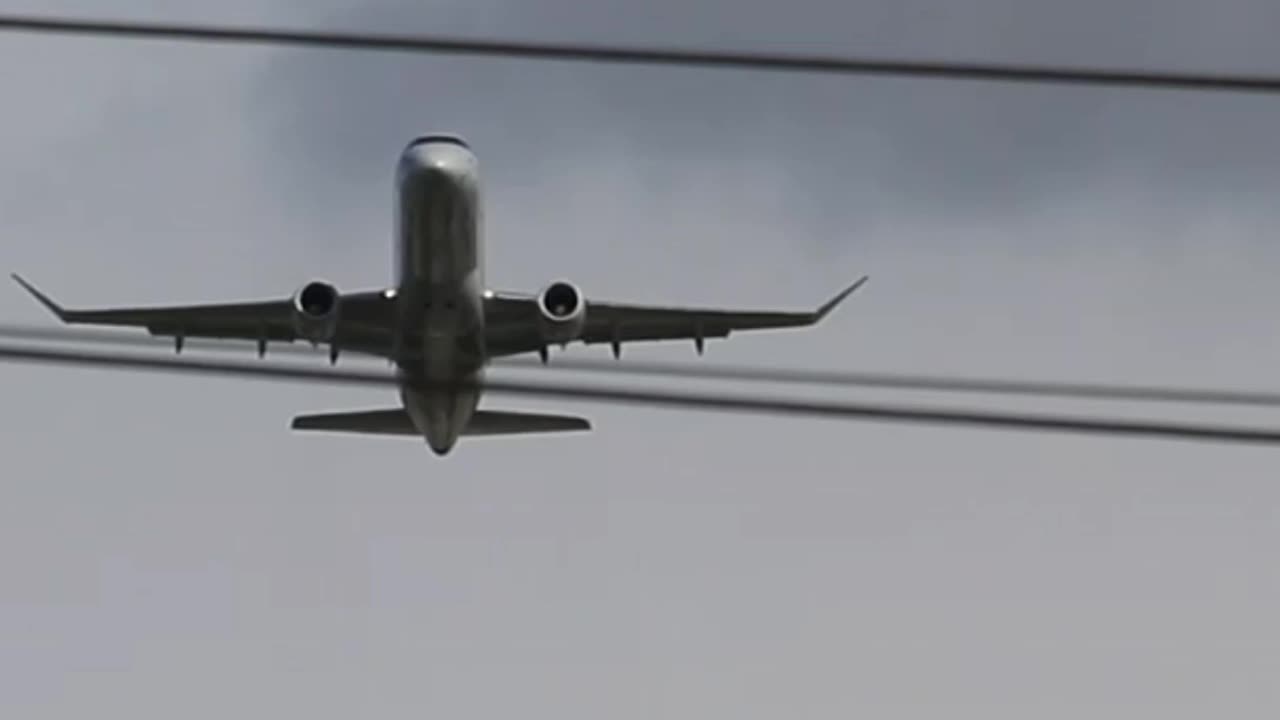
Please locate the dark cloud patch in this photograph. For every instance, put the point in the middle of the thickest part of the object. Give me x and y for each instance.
(874, 149)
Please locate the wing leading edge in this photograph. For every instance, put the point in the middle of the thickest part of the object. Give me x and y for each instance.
(511, 321)
(364, 324)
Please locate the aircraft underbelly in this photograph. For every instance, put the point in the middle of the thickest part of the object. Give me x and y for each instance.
(441, 283)
(438, 217)
(440, 415)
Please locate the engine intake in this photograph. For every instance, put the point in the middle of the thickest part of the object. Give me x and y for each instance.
(315, 311)
(562, 312)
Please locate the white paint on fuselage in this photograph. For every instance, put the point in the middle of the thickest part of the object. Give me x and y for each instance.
(440, 276)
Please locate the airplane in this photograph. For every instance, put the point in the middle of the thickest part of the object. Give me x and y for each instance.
(439, 325)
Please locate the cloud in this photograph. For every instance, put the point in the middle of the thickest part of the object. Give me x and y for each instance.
(884, 148)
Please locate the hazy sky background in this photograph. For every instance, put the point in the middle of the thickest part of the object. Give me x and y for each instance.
(167, 546)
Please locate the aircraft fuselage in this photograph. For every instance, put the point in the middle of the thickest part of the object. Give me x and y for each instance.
(440, 285)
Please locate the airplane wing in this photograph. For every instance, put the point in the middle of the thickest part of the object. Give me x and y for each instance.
(511, 321)
(364, 324)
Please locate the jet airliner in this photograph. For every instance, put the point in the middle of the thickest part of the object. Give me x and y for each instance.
(439, 324)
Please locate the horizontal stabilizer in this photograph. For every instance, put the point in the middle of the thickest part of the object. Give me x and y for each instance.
(396, 421)
(502, 422)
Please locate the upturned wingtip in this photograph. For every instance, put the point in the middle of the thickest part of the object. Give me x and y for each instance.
(840, 297)
(40, 297)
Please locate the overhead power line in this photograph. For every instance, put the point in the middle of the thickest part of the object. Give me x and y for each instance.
(682, 371)
(659, 56)
(673, 400)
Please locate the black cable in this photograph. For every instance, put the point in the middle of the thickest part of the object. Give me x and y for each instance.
(686, 401)
(686, 57)
(684, 371)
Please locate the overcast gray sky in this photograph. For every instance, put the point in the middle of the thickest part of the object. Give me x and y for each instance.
(168, 547)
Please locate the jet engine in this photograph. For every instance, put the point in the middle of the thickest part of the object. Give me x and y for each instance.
(562, 312)
(315, 311)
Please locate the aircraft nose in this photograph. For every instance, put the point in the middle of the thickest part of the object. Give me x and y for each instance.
(438, 157)
(438, 164)
(439, 138)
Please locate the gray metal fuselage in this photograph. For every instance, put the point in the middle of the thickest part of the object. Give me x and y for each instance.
(440, 284)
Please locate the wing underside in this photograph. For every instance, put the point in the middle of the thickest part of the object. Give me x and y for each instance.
(364, 324)
(511, 321)
(367, 321)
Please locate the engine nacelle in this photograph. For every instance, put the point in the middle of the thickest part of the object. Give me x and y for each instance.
(562, 312)
(315, 311)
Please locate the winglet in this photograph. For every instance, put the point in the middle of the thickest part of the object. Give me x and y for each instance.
(831, 304)
(40, 297)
